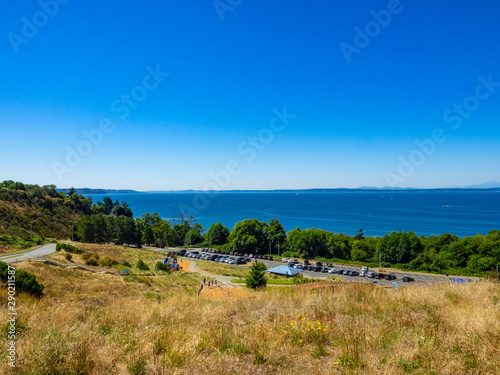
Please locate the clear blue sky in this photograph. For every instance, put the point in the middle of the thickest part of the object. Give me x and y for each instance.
(230, 70)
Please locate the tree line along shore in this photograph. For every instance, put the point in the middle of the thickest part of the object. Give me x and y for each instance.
(30, 214)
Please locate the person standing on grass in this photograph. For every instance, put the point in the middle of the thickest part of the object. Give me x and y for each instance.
(215, 282)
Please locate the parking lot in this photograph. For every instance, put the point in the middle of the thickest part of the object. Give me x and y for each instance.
(419, 278)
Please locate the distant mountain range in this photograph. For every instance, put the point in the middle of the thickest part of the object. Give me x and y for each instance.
(83, 191)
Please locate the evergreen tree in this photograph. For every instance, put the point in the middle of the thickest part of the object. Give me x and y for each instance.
(257, 277)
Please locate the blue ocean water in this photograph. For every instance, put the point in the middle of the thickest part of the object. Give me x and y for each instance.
(461, 212)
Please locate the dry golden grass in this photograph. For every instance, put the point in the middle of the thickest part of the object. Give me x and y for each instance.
(103, 324)
(224, 293)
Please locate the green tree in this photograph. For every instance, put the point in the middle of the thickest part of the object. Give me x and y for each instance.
(248, 236)
(217, 234)
(257, 277)
(275, 234)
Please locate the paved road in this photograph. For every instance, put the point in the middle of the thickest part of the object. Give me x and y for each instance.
(40, 252)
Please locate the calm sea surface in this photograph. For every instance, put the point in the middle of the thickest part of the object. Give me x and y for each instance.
(462, 212)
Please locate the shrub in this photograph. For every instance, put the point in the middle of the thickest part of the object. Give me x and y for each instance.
(107, 262)
(126, 264)
(68, 256)
(142, 266)
(37, 240)
(69, 248)
(92, 262)
(25, 281)
(159, 266)
(86, 255)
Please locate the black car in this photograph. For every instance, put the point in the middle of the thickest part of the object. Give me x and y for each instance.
(346, 272)
(380, 276)
(389, 277)
(408, 279)
(354, 273)
(325, 270)
(317, 269)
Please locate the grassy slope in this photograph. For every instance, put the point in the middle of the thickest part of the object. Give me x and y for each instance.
(101, 324)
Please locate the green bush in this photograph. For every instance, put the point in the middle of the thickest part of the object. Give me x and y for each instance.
(142, 266)
(37, 240)
(92, 262)
(107, 262)
(25, 281)
(159, 266)
(68, 256)
(69, 248)
(86, 255)
(127, 264)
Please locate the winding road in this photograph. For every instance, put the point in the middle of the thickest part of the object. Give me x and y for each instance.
(36, 253)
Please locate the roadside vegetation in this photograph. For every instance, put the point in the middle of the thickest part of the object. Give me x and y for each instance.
(90, 323)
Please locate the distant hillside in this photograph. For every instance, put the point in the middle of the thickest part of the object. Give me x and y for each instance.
(53, 211)
(84, 191)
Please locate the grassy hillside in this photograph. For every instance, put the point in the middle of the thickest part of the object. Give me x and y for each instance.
(21, 204)
(102, 324)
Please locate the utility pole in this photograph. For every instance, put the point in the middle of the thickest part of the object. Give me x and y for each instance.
(31, 230)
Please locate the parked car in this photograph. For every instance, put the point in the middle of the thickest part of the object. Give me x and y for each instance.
(371, 275)
(389, 277)
(333, 270)
(319, 264)
(380, 276)
(407, 279)
(325, 270)
(284, 260)
(306, 262)
(346, 272)
(354, 273)
(317, 269)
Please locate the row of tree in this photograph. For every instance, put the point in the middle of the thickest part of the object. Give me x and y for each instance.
(50, 213)
(446, 252)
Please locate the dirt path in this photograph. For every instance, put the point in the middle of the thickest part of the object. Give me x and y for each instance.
(220, 278)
